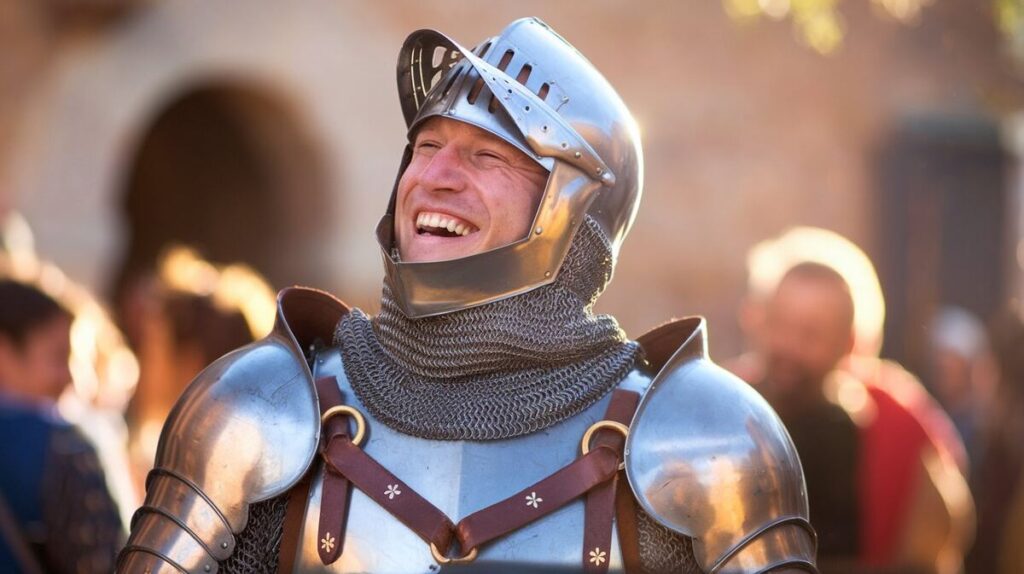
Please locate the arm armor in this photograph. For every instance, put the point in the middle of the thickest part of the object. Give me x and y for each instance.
(709, 459)
(245, 430)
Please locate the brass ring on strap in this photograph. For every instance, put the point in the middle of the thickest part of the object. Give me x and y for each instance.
(599, 425)
(355, 414)
(442, 559)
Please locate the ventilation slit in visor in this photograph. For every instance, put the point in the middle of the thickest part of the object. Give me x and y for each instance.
(506, 58)
(451, 82)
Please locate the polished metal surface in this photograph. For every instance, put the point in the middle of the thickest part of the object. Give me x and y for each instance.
(245, 430)
(581, 131)
(146, 563)
(162, 536)
(459, 477)
(708, 458)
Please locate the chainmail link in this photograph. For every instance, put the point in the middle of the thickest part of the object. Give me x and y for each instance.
(259, 545)
(662, 551)
(495, 371)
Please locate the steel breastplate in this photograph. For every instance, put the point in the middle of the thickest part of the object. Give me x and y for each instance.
(459, 478)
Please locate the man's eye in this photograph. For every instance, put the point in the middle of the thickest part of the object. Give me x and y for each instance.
(427, 145)
(490, 155)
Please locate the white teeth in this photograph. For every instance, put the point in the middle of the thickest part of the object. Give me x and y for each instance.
(439, 221)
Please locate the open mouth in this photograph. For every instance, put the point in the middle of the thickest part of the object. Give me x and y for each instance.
(442, 225)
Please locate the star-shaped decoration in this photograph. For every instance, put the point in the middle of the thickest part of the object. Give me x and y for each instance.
(597, 556)
(392, 491)
(533, 500)
(327, 543)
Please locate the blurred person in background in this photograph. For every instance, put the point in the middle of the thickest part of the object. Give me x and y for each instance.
(181, 318)
(56, 514)
(999, 481)
(960, 373)
(808, 330)
(916, 513)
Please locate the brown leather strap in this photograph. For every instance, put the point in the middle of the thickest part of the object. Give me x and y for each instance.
(597, 527)
(294, 513)
(538, 500)
(392, 494)
(335, 493)
(625, 517)
(600, 503)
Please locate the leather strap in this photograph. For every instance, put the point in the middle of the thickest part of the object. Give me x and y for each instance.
(592, 474)
(625, 517)
(597, 527)
(390, 493)
(600, 504)
(293, 515)
(336, 487)
(538, 500)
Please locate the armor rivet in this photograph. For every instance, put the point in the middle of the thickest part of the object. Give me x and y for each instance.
(544, 128)
(224, 545)
(527, 108)
(539, 230)
(547, 274)
(207, 568)
(599, 171)
(564, 98)
(578, 155)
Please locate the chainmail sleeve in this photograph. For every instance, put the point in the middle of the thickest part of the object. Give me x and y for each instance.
(259, 545)
(662, 551)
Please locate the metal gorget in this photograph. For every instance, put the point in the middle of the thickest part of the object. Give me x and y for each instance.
(459, 478)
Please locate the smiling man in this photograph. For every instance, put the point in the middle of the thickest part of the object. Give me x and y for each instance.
(486, 420)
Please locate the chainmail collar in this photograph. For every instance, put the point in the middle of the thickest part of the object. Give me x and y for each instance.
(496, 371)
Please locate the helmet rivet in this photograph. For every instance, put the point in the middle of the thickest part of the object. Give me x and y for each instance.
(547, 274)
(578, 155)
(544, 128)
(539, 230)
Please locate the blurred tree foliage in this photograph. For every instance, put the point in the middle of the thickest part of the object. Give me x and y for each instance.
(819, 25)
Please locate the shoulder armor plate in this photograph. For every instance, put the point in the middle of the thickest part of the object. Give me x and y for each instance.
(245, 430)
(708, 458)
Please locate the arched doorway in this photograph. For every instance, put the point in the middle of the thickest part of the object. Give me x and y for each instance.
(230, 170)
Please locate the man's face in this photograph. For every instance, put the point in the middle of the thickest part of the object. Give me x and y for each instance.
(38, 368)
(807, 332)
(465, 191)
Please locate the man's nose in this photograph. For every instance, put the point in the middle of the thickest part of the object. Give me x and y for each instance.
(446, 170)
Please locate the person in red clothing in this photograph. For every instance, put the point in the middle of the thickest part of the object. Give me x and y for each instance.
(915, 508)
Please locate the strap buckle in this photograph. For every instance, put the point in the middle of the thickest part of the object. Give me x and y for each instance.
(442, 559)
(599, 425)
(355, 414)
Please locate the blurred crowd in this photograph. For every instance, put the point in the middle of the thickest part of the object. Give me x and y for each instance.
(903, 473)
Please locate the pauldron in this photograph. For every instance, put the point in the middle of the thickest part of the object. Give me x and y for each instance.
(245, 430)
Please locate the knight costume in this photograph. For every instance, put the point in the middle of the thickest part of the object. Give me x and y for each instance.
(486, 420)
